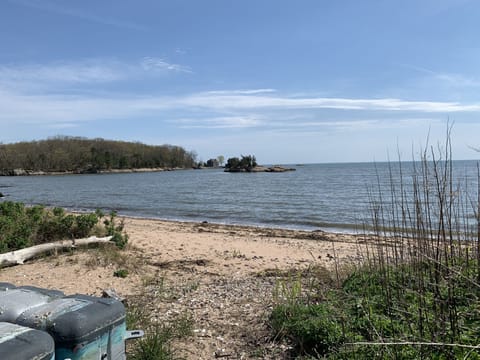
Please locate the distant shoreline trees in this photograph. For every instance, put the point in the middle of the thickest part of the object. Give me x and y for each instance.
(82, 155)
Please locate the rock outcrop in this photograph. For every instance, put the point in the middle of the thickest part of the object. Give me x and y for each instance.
(256, 169)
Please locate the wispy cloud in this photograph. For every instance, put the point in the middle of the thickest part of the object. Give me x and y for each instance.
(48, 77)
(446, 78)
(223, 101)
(45, 5)
(458, 80)
(237, 109)
(158, 64)
(63, 126)
(74, 72)
(225, 122)
(241, 92)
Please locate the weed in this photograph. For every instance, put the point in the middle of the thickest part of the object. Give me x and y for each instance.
(106, 255)
(121, 273)
(157, 342)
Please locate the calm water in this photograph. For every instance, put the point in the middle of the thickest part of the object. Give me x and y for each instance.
(320, 196)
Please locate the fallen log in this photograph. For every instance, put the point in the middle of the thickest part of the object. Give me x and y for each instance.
(18, 257)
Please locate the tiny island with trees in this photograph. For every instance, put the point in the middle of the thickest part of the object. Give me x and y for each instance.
(248, 163)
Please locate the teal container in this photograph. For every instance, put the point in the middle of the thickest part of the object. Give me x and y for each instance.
(83, 327)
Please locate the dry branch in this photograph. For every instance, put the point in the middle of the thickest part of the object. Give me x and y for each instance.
(18, 257)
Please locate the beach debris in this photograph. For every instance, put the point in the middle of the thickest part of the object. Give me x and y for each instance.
(18, 257)
(222, 354)
(112, 294)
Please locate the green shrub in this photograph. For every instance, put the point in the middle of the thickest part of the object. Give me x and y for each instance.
(84, 224)
(312, 328)
(116, 231)
(17, 229)
(121, 273)
(23, 226)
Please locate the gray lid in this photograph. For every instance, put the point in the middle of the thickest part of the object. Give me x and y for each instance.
(74, 319)
(6, 286)
(21, 343)
(16, 301)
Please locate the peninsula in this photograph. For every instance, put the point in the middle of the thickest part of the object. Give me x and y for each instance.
(78, 155)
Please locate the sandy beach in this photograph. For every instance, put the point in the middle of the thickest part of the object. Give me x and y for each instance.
(222, 276)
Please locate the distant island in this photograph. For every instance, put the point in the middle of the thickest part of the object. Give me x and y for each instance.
(249, 164)
(77, 155)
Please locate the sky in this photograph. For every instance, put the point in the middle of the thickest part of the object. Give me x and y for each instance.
(290, 81)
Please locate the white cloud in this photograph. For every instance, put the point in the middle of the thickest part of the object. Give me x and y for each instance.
(445, 78)
(63, 126)
(158, 64)
(74, 72)
(458, 80)
(45, 78)
(241, 92)
(224, 101)
(226, 122)
(253, 109)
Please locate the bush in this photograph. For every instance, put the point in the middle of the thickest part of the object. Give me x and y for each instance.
(121, 273)
(22, 226)
(17, 225)
(116, 231)
(311, 328)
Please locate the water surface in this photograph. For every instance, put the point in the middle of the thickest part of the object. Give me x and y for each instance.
(316, 196)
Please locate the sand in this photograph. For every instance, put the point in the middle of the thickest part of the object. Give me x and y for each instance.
(218, 274)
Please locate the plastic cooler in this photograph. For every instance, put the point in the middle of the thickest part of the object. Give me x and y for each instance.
(21, 343)
(83, 327)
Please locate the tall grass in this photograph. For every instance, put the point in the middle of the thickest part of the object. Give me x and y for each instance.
(427, 248)
(417, 294)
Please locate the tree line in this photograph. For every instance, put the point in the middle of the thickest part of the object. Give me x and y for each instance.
(78, 154)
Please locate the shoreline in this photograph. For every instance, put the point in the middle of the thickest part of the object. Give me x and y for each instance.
(348, 229)
(26, 172)
(280, 231)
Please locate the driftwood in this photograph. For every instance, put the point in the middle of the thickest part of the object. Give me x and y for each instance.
(18, 257)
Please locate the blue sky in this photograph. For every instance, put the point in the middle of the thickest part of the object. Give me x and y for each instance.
(289, 81)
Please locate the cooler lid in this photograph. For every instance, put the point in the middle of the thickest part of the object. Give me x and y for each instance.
(16, 301)
(74, 319)
(21, 343)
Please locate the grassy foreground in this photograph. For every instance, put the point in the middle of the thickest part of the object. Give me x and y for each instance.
(417, 296)
(384, 314)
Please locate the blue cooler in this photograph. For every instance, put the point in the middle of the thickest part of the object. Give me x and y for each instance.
(83, 327)
(21, 343)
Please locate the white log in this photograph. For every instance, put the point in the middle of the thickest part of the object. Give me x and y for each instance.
(18, 257)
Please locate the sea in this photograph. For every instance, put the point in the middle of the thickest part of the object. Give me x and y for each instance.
(330, 197)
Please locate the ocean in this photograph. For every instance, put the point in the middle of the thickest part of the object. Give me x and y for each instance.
(331, 197)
